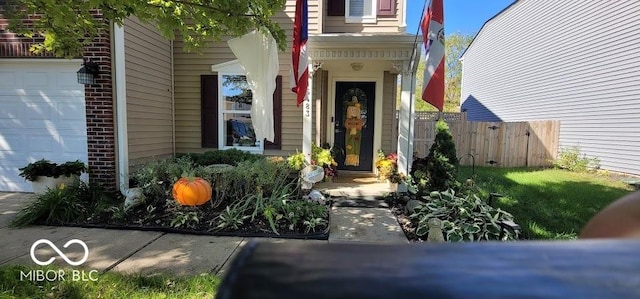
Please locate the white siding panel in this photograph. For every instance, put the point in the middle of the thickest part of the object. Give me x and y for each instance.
(573, 61)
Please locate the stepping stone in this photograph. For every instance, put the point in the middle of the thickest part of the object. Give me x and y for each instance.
(372, 225)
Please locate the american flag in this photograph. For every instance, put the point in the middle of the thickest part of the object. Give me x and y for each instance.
(300, 66)
(433, 37)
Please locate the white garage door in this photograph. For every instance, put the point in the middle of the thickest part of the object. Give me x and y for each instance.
(42, 115)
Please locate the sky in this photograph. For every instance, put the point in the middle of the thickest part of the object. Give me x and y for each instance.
(463, 16)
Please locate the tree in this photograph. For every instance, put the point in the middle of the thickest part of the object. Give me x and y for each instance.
(67, 26)
(437, 172)
(454, 45)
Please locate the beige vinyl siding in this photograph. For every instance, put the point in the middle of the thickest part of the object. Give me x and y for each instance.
(148, 82)
(384, 24)
(389, 124)
(190, 66)
(553, 60)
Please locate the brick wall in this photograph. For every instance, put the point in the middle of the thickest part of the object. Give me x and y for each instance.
(98, 99)
(100, 114)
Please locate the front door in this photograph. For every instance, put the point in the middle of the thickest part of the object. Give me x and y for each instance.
(353, 125)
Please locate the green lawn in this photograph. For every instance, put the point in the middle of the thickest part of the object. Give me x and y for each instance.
(108, 285)
(547, 203)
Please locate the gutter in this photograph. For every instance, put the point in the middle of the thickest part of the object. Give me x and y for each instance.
(121, 108)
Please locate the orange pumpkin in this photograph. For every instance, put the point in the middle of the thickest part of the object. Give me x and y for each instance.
(192, 191)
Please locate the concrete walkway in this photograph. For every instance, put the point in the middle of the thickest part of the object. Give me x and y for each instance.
(148, 253)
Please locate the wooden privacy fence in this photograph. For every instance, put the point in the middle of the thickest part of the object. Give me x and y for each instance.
(501, 144)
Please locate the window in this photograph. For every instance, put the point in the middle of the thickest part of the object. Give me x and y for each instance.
(386, 8)
(226, 111)
(360, 11)
(236, 127)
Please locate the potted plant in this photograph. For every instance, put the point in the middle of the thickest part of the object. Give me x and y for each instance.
(387, 166)
(45, 174)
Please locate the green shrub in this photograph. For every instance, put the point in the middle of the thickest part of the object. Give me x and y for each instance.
(249, 177)
(570, 159)
(465, 218)
(280, 208)
(229, 183)
(67, 203)
(437, 172)
(230, 156)
(156, 178)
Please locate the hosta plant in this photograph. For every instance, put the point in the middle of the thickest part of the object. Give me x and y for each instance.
(464, 218)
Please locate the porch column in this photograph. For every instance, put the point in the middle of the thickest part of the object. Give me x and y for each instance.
(405, 122)
(307, 117)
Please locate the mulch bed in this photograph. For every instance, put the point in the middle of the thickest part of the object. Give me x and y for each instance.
(409, 228)
(140, 219)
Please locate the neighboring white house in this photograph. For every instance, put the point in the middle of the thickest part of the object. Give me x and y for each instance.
(573, 61)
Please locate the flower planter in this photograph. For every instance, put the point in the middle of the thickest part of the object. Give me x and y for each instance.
(43, 183)
(393, 186)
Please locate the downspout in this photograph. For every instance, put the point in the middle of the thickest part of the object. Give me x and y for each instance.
(121, 108)
(173, 103)
(404, 15)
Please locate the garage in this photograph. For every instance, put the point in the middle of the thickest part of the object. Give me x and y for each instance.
(42, 115)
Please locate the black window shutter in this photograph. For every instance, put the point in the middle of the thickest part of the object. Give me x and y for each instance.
(209, 110)
(277, 117)
(335, 7)
(386, 7)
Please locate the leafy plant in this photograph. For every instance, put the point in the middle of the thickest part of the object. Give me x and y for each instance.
(465, 218)
(570, 159)
(297, 161)
(270, 214)
(321, 156)
(231, 218)
(437, 172)
(229, 156)
(387, 166)
(185, 219)
(157, 178)
(56, 206)
(233, 184)
(72, 25)
(117, 213)
(45, 167)
(313, 223)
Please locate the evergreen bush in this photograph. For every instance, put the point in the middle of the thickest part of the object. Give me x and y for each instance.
(437, 172)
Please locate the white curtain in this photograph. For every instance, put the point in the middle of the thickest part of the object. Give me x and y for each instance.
(257, 52)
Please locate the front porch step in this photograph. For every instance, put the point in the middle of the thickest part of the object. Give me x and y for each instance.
(371, 225)
(359, 190)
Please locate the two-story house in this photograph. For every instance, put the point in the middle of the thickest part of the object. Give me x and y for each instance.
(543, 59)
(152, 99)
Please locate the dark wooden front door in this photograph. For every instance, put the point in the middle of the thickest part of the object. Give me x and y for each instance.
(353, 124)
